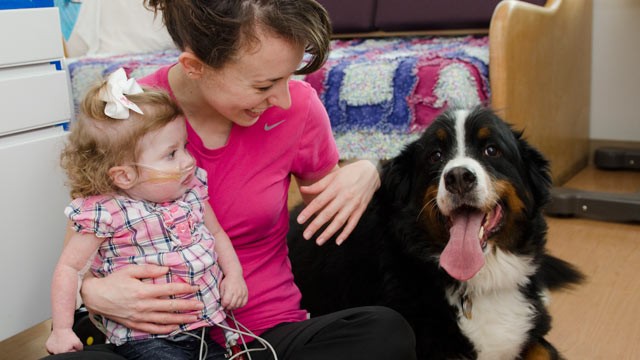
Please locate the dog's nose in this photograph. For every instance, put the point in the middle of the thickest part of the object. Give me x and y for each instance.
(459, 180)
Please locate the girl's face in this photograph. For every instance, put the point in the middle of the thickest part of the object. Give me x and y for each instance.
(255, 81)
(165, 167)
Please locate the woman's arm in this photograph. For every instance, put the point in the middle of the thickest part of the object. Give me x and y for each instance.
(339, 198)
(122, 297)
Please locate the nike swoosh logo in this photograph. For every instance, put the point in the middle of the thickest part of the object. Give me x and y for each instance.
(268, 127)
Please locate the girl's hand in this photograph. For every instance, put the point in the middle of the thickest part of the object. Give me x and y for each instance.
(122, 297)
(63, 341)
(340, 198)
(234, 292)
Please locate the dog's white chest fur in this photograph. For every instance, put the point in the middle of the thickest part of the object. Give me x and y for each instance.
(500, 314)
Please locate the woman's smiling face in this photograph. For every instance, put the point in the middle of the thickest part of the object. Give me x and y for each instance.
(254, 81)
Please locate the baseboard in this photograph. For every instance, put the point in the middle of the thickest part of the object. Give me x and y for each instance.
(598, 143)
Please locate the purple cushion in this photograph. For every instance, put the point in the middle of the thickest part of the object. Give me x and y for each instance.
(406, 15)
(395, 15)
(351, 15)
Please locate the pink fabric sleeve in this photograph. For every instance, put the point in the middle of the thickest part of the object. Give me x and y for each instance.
(317, 152)
(90, 217)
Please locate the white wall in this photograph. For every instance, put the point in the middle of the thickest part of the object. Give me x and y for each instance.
(615, 87)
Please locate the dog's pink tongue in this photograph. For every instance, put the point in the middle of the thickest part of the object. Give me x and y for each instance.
(462, 258)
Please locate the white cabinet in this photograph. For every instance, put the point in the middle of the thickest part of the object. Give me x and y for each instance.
(33, 96)
(30, 36)
(35, 107)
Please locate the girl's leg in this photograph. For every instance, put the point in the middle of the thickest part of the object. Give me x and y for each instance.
(182, 346)
(370, 333)
(155, 349)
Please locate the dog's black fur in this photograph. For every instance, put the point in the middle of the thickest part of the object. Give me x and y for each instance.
(392, 256)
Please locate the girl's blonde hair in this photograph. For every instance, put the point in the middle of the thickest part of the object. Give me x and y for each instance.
(97, 142)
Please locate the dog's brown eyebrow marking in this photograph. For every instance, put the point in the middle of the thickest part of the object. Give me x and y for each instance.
(484, 133)
(441, 134)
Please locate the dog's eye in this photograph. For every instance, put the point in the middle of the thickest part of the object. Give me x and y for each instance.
(492, 151)
(435, 157)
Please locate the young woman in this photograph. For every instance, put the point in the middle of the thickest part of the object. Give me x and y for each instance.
(248, 120)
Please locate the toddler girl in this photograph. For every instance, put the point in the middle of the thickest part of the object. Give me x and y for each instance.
(140, 199)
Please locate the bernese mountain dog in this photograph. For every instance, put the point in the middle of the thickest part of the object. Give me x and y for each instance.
(454, 240)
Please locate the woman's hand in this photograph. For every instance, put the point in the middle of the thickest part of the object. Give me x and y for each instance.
(122, 297)
(339, 198)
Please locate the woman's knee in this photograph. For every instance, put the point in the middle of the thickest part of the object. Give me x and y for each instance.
(392, 330)
(387, 320)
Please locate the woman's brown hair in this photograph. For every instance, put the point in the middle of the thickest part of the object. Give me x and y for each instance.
(214, 30)
(97, 142)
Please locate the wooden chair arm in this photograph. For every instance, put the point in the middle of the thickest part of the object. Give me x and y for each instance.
(540, 75)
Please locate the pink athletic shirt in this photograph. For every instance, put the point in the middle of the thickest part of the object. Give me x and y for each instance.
(248, 188)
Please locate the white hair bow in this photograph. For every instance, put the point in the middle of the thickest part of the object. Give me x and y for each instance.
(114, 95)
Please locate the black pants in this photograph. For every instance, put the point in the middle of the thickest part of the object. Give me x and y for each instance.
(372, 333)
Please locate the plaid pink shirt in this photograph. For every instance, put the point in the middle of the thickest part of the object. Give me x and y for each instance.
(168, 234)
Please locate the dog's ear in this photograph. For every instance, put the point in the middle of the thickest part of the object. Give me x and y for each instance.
(538, 171)
(397, 175)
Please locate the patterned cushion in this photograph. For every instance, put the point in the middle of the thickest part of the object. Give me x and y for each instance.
(379, 93)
